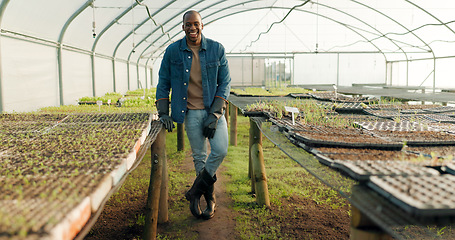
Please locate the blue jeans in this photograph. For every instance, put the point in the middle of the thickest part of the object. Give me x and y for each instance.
(194, 123)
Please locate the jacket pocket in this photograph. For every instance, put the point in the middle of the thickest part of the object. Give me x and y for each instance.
(176, 69)
(212, 70)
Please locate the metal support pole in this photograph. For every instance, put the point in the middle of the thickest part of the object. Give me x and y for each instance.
(233, 125)
(252, 71)
(113, 76)
(338, 69)
(128, 74)
(3, 5)
(59, 48)
(158, 149)
(93, 74)
(138, 79)
(434, 75)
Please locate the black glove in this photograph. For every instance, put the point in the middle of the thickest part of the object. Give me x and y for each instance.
(215, 112)
(210, 126)
(162, 106)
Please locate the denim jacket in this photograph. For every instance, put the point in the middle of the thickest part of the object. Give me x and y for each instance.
(175, 74)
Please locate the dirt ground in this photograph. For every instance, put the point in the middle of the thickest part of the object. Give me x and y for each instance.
(299, 218)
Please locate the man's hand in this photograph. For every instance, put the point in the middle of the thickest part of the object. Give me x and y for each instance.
(163, 112)
(167, 122)
(210, 124)
(215, 112)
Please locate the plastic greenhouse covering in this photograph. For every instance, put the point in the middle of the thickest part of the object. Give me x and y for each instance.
(52, 52)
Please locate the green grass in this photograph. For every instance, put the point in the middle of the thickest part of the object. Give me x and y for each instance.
(285, 179)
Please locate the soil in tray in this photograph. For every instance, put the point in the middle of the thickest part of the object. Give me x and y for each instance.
(41, 117)
(342, 135)
(416, 136)
(354, 154)
(402, 106)
(439, 151)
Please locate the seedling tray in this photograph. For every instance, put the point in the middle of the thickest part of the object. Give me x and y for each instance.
(418, 195)
(393, 126)
(257, 114)
(350, 138)
(441, 118)
(321, 157)
(363, 170)
(382, 113)
(451, 113)
(300, 95)
(441, 109)
(402, 107)
(439, 151)
(445, 127)
(418, 138)
(412, 111)
(346, 107)
(339, 97)
(422, 118)
(285, 124)
(365, 154)
(449, 168)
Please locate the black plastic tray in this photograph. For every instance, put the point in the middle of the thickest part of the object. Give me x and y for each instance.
(449, 168)
(382, 113)
(341, 143)
(411, 138)
(392, 125)
(418, 195)
(300, 95)
(321, 157)
(440, 109)
(257, 114)
(441, 118)
(362, 170)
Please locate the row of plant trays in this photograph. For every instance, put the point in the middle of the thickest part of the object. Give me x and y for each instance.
(56, 169)
(399, 156)
(407, 178)
(340, 98)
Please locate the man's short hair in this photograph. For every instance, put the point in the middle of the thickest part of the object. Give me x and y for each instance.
(190, 12)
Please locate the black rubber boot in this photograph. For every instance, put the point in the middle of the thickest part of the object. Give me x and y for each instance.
(209, 196)
(200, 186)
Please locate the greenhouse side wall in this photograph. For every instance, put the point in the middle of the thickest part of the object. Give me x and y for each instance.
(29, 75)
(339, 69)
(76, 76)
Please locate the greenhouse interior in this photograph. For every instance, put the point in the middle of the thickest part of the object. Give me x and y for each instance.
(358, 95)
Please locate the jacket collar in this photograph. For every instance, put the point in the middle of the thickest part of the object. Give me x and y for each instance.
(184, 45)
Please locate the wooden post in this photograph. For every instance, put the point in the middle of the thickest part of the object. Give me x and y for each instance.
(257, 166)
(180, 137)
(259, 176)
(158, 149)
(163, 214)
(233, 125)
(226, 114)
(250, 162)
(362, 228)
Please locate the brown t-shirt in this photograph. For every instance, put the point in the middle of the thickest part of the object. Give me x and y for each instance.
(195, 96)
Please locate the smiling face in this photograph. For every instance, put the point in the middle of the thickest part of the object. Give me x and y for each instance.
(192, 25)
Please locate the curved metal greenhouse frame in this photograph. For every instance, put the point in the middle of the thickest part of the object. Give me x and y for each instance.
(133, 34)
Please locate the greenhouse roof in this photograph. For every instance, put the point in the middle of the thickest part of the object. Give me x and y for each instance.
(141, 29)
(54, 52)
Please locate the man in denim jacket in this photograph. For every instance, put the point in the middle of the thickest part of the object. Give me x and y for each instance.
(196, 69)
